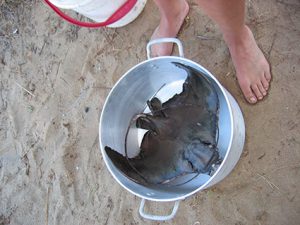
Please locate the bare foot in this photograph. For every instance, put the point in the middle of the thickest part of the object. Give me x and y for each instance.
(252, 68)
(169, 26)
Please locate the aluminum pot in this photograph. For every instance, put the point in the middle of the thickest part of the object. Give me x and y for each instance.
(161, 78)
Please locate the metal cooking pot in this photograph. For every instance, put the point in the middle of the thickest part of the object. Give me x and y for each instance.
(160, 77)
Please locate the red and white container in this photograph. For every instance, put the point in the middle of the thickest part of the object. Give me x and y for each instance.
(110, 13)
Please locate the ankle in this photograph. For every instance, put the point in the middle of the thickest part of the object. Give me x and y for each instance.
(237, 38)
(179, 9)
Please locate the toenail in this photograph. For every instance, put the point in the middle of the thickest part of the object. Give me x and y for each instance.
(252, 100)
(260, 97)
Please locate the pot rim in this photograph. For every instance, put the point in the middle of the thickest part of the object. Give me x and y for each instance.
(196, 65)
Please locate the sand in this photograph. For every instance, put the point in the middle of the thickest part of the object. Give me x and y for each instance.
(51, 168)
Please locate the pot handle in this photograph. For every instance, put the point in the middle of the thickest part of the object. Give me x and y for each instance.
(164, 40)
(156, 217)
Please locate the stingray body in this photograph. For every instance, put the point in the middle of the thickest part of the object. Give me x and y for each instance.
(181, 136)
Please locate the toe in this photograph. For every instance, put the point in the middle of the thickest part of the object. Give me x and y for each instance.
(262, 89)
(265, 83)
(257, 91)
(249, 95)
(268, 74)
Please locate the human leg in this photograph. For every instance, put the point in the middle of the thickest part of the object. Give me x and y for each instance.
(252, 68)
(172, 15)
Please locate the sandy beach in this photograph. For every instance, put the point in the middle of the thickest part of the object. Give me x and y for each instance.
(54, 79)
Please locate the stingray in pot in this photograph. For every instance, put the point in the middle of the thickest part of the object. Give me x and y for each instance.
(181, 137)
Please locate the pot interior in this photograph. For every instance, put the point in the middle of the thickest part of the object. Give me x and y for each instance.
(161, 78)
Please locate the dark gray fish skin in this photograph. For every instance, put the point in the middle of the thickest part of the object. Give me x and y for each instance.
(181, 136)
